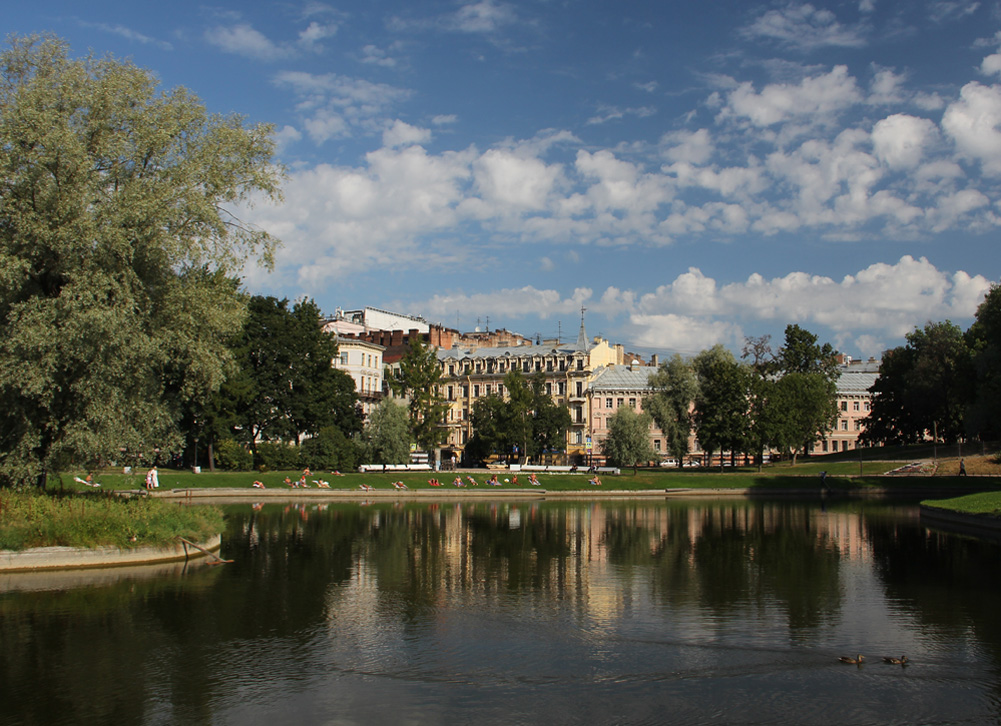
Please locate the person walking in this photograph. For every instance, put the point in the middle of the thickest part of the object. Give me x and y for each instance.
(962, 467)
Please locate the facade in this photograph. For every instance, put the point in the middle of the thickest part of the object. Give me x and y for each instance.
(469, 374)
(854, 406)
(363, 362)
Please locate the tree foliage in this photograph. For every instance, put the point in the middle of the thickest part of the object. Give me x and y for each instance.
(984, 341)
(285, 387)
(527, 420)
(674, 389)
(628, 440)
(721, 406)
(387, 434)
(923, 387)
(418, 379)
(117, 234)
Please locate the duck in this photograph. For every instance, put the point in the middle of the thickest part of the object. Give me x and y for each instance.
(857, 660)
(902, 660)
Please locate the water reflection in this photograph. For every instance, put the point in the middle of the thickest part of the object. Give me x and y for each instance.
(626, 612)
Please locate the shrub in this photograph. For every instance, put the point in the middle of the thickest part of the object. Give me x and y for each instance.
(277, 457)
(330, 449)
(232, 456)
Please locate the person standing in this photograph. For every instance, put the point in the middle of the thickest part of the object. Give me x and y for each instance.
(962, 467)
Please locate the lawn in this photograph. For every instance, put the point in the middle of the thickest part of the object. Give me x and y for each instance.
(805, 475)
(985, 503)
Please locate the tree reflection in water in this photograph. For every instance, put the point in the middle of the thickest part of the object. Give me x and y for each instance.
(525, 611)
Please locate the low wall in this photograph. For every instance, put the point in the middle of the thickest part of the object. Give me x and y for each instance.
(42, 558)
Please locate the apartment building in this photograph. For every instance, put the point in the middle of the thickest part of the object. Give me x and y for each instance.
(469, 374)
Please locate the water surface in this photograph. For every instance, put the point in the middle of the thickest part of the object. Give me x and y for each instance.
(536, 612)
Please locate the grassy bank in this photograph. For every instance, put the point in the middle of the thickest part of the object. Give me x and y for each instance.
(97, 519)
(843, 475)
(985, 503)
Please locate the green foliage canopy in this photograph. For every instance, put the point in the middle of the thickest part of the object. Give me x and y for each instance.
(117, 241)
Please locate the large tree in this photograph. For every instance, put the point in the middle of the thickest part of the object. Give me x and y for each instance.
(117, 231)
(674, 388)
(924, 387)
(628, 440)
(721, 406)
(527, 420)
(984, 341)
(418, 379)
(285, 386)
(387, 434)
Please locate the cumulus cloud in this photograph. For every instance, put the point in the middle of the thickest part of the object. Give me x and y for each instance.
(974, 123)
(403, 134)
(899, 140)
(818, 96)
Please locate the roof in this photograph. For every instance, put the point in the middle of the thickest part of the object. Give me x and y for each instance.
(622, 378)
(855, 382)
(507, 351)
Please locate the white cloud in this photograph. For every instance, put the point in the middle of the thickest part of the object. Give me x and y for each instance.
(899, 140)
(514, 181)
(128, 34)
(485, 16)
(804, 27)
(974, 123)
(309, 39)
(243, 39)
(403, 134)
(816, 97)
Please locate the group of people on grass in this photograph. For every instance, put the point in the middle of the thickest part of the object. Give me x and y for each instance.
(398, 485)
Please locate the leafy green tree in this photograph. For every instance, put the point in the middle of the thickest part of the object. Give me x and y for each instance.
(628, 440)
(984, 341)
(527, 418)
(721, 406)
(805, 395)
(387, 434)
(418, 379)
(117, 241)
(285, 387)
(924, 387)
(801, 353)
(674, 389)
(801, 408)
(329, 449)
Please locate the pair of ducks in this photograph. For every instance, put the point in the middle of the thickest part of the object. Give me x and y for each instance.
(857, 660)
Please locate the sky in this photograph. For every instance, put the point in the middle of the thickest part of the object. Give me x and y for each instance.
(686, 173)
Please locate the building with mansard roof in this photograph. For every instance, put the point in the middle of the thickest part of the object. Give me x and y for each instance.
(469, 374)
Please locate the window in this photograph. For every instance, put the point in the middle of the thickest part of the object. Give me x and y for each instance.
(451, 393)
(656, 445)
(868, 406)
(855, 405)
(451, 370)
(486, 390)
(632, 403)
(344, 359)
(476, 391)
(580, 388)
(562, 387)
(608, 403)
(549, 389)
(844, 405)
(621, 402)
(844, 425)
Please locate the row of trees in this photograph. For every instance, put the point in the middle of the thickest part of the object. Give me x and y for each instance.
(944, 383)
(781, 400)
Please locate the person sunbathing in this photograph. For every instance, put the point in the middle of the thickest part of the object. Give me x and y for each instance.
(288, 482)
(595, 481)
(365, 487)
(258, 484)
(534, 480)
(472, 481)
(458, 482)
(321, 484)
(493, 481)
(399, 485)
(514, 480)
(88, 481)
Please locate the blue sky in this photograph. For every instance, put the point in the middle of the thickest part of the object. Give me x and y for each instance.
(690, 173)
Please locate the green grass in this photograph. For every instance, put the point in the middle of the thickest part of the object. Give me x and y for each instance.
(988, 503)
(95, 519)
(840, 475)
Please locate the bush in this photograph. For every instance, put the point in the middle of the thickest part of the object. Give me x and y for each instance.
(330, 449)
(277, 457)
(232, 456)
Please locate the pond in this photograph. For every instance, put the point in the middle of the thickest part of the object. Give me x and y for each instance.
(628, 612)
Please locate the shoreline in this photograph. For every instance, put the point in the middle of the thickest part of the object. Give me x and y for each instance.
(76, 558)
